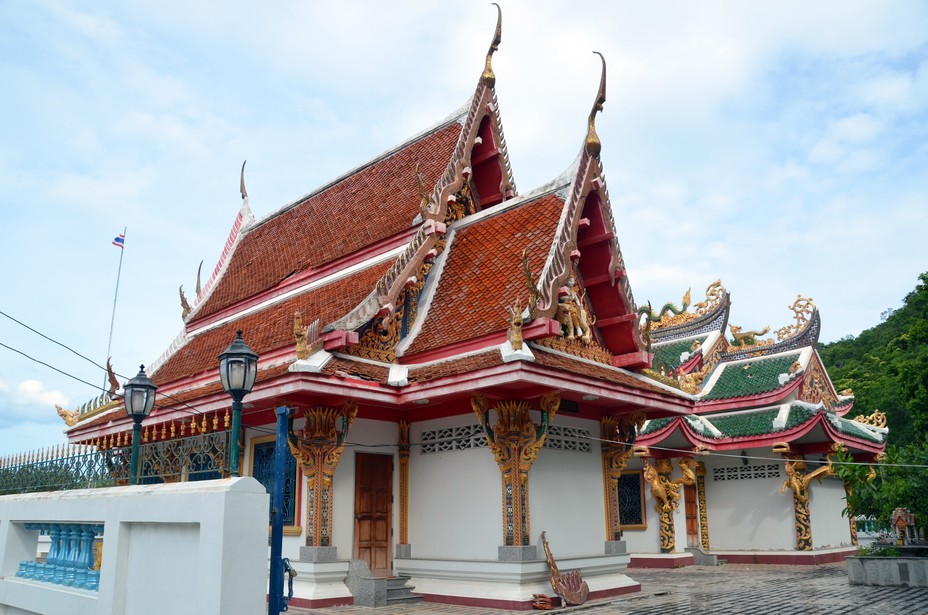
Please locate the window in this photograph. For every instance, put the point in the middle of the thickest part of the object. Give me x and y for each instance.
(631, 501)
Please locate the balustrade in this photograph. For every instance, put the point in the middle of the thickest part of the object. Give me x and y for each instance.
(70, 559)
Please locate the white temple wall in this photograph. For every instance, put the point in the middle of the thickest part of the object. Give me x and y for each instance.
(566, 496)
(749, 513)
(455, 498)
(829, 527)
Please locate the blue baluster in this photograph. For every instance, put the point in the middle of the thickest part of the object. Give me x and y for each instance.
(54, 549)
(74, 546)
(85, 556)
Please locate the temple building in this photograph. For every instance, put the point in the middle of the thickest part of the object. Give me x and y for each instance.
(467, 368)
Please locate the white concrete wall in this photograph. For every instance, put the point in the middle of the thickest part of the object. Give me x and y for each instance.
(455, 499)
(566, 496)
(749, 514)
(829, 527)
(194, 548)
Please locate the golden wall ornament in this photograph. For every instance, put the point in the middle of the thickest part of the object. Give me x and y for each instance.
(615, 456)
(515, 441)
(403, 447)
(815, 387)
(802, 311)
(592, 351)
(703, 511)
(877, 419)
(798, 481)
(317, 448)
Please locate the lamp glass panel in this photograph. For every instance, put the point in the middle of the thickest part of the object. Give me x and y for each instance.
(236, 374)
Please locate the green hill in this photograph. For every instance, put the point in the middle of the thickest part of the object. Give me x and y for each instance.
(887, 367)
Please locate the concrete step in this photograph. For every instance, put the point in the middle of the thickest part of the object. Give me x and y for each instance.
(397, 581)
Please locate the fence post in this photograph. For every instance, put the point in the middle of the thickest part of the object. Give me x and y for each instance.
(276, 602)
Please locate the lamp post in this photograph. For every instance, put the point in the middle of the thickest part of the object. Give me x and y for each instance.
(238, 367)
(139, 399)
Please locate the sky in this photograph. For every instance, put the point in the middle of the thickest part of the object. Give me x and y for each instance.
(780, 146)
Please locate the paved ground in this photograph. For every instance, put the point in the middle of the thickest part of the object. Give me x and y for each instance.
(731, 589)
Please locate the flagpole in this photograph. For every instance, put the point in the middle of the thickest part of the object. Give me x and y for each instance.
(109, 343)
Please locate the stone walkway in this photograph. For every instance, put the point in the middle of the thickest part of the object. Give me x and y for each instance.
(731, 589)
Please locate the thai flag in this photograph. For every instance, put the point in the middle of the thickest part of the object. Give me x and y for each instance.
(120, 241)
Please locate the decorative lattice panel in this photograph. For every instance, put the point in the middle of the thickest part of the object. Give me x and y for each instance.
(473, 436)
(768, 470)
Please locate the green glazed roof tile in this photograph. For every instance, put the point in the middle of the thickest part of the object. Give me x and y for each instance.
(751, 378)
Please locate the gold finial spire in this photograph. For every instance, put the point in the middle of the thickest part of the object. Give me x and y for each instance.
(242, 184)
(593, 144)
(488, 78)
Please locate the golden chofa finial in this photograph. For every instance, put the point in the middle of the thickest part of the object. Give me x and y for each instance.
(593, 144)
(242, 183)
(488, 78)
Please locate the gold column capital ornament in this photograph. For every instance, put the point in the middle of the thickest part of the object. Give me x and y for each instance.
(515, 441)
(317, 448)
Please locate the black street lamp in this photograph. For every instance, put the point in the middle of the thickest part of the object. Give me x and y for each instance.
(139, 399)
(238, 367)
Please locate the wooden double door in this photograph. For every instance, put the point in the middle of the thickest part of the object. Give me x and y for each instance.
(373, 512)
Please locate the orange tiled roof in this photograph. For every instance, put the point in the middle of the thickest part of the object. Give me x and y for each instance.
(453, 367)
(483, 274)
(369, 205)
(271, 328)
(346, 367)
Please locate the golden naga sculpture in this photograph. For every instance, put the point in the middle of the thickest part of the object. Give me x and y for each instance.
(111, 378)
(307, 337)
(570, 586)
(515, 325)
(847, 393)
(185, 307)
(69, 416)
(798, 482)
(802, 311)
(488, 78)
(317, 448)
(666, 494)
(573, 315)
(593, 144)
(748, 338)
(515, 441)
(668, 310)
(877, 419)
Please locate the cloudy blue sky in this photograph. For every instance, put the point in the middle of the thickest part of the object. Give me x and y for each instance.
(779, 146)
